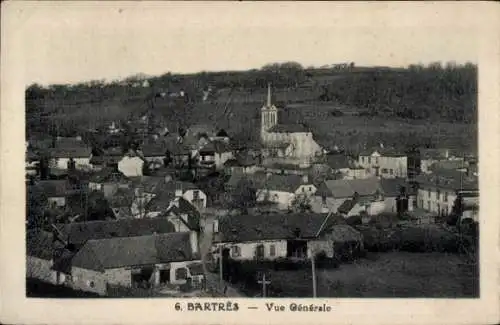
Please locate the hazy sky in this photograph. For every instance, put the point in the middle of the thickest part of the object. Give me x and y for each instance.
(70, 42)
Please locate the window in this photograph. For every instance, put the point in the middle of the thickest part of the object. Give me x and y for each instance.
(196, 195)
(438, 194)
(215, 226)
(181, 273)
(91, 284)
(445, 211)
(235, 251)
(429, 205)
(391, 171)
(323, 199)
(303, 189)
(384, 170)
(272, 250)
(445, 197)
(429, 193)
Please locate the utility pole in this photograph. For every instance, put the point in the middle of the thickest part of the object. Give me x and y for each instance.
(313, 266)
(264, 283)
(221, 277)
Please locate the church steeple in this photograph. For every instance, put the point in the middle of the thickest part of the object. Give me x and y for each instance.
(269, 95)
(269, 113)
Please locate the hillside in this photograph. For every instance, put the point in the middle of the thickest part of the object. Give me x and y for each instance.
(350, 107)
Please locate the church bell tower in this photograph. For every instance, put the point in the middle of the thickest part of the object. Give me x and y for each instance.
(269, 115)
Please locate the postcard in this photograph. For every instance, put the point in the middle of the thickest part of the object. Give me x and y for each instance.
(245, 162)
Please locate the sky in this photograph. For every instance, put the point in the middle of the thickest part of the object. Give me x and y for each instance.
(81, 41)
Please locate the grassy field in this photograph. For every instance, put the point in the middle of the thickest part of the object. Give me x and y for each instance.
(384, 275)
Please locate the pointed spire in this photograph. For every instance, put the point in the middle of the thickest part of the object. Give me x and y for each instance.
(269, 94)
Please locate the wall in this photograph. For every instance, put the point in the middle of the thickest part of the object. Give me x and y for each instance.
(177, 265)
(120, 276)
(427, 199)
(80, 163)
(308, 190)
(189, 196)
(59, 201)
(40, 269)
(248, 249)
(131, 166)
(391, 204)
(83, 278)
(221, 158)
(398, 165)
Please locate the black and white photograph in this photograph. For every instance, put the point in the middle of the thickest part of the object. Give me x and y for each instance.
(212, 150)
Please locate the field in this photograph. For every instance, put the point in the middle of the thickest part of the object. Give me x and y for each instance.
(384, 275)
(426, 107)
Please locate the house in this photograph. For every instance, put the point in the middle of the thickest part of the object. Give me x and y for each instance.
(282, 189)
(331, 194)
(294, 236)
(154, 153)
(32, 161)
(108, 181)
(170, 259)
(131, 165)
(384, 163)
(121, 203)
(56, 191)
(286, 169)
(39, 256)
(241, 165)
(68, 151)
(108, 158)
(145, 188)
(437, 192)
(183, 215)
(168, 190)
(421, 217)
(215, 153)
(397, 190)
(430, 156)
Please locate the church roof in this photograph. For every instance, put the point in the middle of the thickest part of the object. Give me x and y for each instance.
(289, 128)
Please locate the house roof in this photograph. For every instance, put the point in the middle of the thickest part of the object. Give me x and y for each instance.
(108, 175)
(449, 180)
(343, 233)
(80, 232)
(55, 188)
(243, 228)
(122, 198)
(434, 154)
(149, 184)
(448, 165)
(180, 206)
(154, 149)
(284, 183)
(391, 187)
(39, 244)
(110, 253)
(345, 188)
(216, 147)
(385, 152)
(165, 193)
(347, 206)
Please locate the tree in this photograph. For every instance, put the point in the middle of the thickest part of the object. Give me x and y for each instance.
(456, 211)
(300, 203)
(244, 196)
(36, 203)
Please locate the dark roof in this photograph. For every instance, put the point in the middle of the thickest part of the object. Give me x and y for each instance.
(448, 165)
(385, 152)
(182, 206)
(216, 147)
(165, 193)
(343, 233)
(289, 128)
(242, 228)
(285, 183)
(74, 152)
(391, 187)
(154, 149)
(122, 198)
(108, 175)
(347, 205)
(110, 253)
(435, 154)
(79, 232)
(222, 133)
(448, 180)
(39, 244)
(345, 188)
(55, 188)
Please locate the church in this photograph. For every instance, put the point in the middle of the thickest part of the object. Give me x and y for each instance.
(286, 143)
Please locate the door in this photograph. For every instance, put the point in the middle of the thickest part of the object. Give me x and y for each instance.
(259, 252)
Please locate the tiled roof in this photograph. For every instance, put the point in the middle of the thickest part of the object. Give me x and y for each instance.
(55, 188)
(79, 232)
(285, 183)
(122, 198)
(39, 244)
(154, 149)
(181, 206)
(392, 186)
(345, 188)
(343, 233)
(448, 164)
(450, 180)
(110, 253)
(165, 193)
(148, 184)
(435, 154)
(347, 206)
(242, 228)
(108, 175)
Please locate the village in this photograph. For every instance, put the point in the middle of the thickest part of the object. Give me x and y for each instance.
(199, 212)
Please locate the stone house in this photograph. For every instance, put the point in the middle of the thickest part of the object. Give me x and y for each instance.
(384, 163)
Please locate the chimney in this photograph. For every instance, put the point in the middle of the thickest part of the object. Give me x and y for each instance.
(193, 240)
